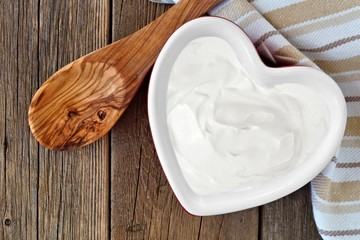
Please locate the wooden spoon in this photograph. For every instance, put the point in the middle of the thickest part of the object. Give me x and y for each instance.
(82, 101)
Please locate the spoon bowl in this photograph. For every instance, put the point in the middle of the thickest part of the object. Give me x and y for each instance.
(82, 101)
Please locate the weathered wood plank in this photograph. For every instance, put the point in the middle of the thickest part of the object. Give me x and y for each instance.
(290, 217)
(18, 151)
(73, 186)
(239, 225)
(132, 152)
(142, 203)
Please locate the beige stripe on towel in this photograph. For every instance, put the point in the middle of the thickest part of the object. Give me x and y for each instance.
(305, 11)
(336, 191)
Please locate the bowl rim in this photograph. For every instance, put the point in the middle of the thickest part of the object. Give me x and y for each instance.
(204, 205)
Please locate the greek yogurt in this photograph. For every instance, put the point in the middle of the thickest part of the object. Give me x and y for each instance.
(230, 133)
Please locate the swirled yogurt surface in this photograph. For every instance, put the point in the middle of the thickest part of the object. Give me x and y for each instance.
(230, 133)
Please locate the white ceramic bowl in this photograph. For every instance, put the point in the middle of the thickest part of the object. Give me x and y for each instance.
(273, 189)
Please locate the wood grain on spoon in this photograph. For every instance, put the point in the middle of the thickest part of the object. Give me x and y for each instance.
(82, 101)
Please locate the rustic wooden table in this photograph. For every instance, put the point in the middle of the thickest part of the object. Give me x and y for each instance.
(114, 188)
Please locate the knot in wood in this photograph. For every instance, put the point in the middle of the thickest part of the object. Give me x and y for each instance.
(101, 114)
(72, 113)
(7, 222)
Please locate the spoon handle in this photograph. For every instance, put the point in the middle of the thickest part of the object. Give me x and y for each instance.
(82, 101)
(148, 42)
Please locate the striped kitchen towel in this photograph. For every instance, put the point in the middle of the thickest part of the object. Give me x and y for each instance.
(324, 34)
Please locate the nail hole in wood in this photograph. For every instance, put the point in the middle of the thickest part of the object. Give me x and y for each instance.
(7, 222)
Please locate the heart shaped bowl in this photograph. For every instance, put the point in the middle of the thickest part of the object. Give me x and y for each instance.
(225, 202)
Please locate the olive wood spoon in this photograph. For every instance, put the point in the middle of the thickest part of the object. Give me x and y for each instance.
(82, 101)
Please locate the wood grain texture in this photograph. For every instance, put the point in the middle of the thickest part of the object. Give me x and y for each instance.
(18, 151)
(242, 225)
(73, 186)
(290, 217)
(82, 101)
